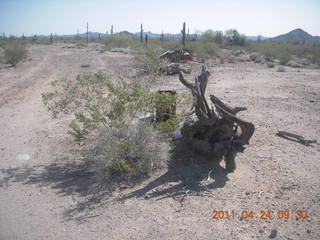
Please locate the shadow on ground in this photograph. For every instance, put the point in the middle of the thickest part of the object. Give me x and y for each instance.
(77, 180)
(187, 173)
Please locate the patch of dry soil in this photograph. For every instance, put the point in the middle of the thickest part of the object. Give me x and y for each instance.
(42, 199)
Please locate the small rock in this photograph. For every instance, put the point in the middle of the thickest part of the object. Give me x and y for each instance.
(146, 197)
(293, 64)
(23, 157)
(247, 193)
(273, 233)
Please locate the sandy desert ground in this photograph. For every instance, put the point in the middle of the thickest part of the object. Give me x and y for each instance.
(47, 194)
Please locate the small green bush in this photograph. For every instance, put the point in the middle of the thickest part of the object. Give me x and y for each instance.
(95, 101)
(165, 103)
(148, 58)
(270, 65)
(105, 114)
(134, 151)
(14, 53)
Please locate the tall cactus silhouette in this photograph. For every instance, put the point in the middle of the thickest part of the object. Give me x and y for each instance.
(141, 34)
(183, 32)
(87, 33)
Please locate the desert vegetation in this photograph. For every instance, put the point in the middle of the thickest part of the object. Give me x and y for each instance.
(113, 115)
(208, 44)
(14, 52)
(102, 107)
(122, 120)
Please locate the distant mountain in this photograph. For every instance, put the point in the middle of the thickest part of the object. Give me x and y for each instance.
(126, 33)
(297, 35)
(157, 35)
(90, 34)
(255, 38)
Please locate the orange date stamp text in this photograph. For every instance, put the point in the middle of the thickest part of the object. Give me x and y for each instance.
(262, 214)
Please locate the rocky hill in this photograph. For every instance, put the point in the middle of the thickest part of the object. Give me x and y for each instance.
(296, 35)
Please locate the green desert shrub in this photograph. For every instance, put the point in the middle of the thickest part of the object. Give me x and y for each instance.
(14, 52)
(233, 37)
(165, 103)
(95, 101)
(148, 58)
(270, 65)
(120, 41)
(204, 49)
(106, 114)
(133, 152)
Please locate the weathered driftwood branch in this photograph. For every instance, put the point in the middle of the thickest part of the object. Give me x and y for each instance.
(214, 132)
(198, 89)
(295, 138)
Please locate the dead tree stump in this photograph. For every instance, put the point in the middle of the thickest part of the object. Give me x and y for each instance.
(214, 131)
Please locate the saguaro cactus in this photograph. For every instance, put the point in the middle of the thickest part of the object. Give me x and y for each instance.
(78, 35)
(183, 31)
(87, 33)
(162, 36)
(51, 38)
(111, 31)
(141, 34)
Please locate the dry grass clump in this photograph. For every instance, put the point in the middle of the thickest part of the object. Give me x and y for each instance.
(14, 52)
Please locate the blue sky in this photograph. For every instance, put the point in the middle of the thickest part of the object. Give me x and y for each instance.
(265, 17)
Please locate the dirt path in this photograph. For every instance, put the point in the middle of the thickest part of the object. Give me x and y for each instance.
(40, 199)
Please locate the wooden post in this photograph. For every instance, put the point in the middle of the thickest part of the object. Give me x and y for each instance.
(87, 33)
(141, 34)
(183, 31)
